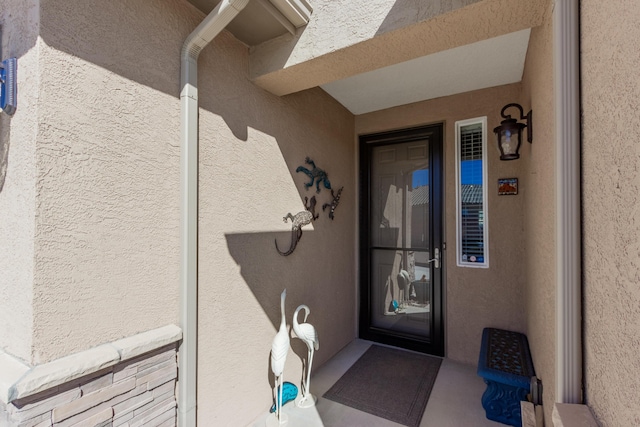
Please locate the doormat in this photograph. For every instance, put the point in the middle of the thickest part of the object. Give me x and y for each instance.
(388, 383)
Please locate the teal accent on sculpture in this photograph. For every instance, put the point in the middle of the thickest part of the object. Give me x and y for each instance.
(289, 393)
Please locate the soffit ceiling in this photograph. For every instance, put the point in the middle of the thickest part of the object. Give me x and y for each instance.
(253, 25)
(492, 62)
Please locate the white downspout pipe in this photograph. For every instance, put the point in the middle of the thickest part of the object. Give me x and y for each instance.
(208, 29)
(568, 218)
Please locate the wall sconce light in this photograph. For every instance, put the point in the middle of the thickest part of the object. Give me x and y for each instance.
(509, 133)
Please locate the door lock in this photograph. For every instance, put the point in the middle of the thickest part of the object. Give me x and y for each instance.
(436, 258)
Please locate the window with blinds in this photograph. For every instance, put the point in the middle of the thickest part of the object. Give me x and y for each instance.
(472, 241)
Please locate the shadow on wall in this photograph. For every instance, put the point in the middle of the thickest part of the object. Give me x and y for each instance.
(270, 138)
(407, 12)
(18, 34)
(403, 13)
(267, 273)
(15, 42)
(318, 273)
(4, 148)
(154, 33)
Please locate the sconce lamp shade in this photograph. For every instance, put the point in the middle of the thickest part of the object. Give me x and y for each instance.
(509, 133)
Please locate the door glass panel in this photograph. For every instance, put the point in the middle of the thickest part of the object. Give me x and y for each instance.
(400, 270)
(400, 196)
(401, 297)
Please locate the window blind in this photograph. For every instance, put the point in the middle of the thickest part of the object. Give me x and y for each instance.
(471, 200)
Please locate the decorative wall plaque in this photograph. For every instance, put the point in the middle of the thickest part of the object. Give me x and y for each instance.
(507, 186)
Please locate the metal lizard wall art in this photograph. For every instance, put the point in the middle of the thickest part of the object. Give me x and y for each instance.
(334, 203)
(298, 221)
(316, 174)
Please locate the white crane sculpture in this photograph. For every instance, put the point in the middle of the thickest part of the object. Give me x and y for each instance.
(307, 333)
(279, 351)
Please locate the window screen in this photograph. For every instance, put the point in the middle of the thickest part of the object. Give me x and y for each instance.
(471, 193)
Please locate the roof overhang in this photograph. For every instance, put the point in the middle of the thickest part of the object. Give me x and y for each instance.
(263, 20)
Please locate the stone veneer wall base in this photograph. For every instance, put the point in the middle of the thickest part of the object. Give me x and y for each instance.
(139, 390)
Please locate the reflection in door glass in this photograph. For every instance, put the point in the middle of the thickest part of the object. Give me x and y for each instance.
(401, 297)
(400, 269)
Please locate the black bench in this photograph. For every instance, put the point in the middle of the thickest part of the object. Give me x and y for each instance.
(505, 365)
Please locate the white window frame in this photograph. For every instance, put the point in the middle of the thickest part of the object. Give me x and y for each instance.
(485, 205)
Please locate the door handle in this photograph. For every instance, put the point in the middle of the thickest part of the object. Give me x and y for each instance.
(436, 258)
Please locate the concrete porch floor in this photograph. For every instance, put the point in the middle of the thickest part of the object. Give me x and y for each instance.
(454, 400)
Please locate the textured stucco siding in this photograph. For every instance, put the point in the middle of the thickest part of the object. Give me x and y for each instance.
(107, 221)
(337, 24)
(251, 144)
(538, 161)
(19, 24)
(107, 213)
(611, 229)
(475, 297)
(345, 37)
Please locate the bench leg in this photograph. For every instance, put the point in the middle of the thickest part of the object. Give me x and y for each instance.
(501, 403)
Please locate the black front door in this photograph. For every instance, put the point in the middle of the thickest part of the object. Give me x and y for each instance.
(401, 198)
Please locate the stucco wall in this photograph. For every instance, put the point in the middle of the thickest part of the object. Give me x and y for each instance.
(19, 23)
(475, 298)
(107, 220)
(538, 162)
(611, 228)
(344, 38)
(107, 191)
(251, 144)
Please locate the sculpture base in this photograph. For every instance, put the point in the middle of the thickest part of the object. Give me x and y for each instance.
(501, 403)
(309, 402)
(272, 420)
(505, 365)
